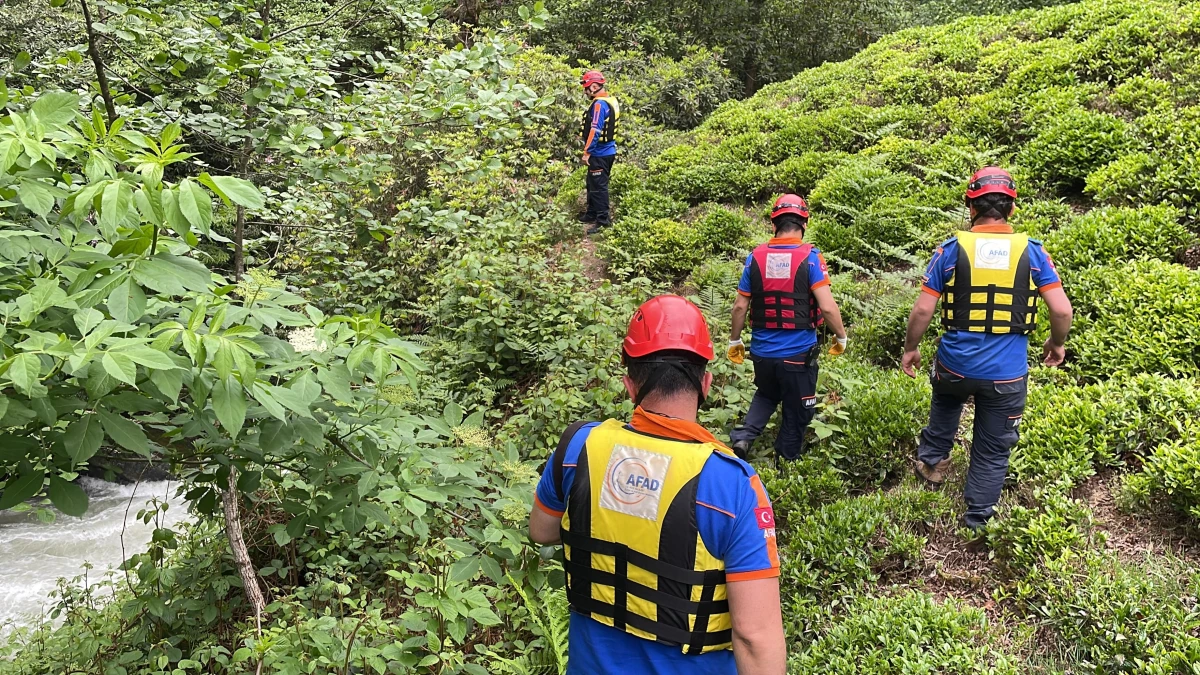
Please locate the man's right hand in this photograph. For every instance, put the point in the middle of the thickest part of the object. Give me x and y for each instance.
(911, 362)
(1052, 354)
(737, 351)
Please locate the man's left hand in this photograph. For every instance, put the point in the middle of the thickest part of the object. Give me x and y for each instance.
(587, 158)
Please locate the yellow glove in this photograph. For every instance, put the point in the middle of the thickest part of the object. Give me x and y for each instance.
(839, 346)
(737, 351)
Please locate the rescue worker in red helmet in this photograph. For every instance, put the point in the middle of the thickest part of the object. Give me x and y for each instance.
(988, 280)
(785, 289)
(599, 132)
(669, 539)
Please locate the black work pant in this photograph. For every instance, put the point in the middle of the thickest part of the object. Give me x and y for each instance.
(999, 405)
(792, 383)
(599, 169)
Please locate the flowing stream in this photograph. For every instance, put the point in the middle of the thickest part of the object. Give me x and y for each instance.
(34, 555)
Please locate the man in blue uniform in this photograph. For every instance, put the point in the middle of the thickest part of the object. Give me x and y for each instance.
(669, 540)
(785, 289)
(599, 131)
(988, 280)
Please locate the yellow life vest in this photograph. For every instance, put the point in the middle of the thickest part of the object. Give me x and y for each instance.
(992, 289)
(609, 132)
(634, 556)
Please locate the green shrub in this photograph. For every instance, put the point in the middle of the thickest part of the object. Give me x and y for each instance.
(880, 413)
(1109, 615)
(876, 311)
(832, 552)
(1138, 317)
(1071, 146)
(678, 93)
(661, 249)
(910, 633)
(1068, 431)
(1170, 477)
(1023, 537)
(1039, 218)
(799, 174)
(643, 204)
(724, 232)
(1111, 235)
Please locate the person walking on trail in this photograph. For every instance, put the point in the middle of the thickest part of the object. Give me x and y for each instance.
(669, 539)
(785, 289)
(988, 280)
(599, 131)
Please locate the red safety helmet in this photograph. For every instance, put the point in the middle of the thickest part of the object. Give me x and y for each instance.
(591, 77)
(789, 204)
(668, 322)
(991, 180)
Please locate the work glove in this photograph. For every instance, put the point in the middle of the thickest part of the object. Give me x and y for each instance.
(839, 346)
(737, 351)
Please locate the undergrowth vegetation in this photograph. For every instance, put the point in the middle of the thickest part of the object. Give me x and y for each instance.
(325, 268)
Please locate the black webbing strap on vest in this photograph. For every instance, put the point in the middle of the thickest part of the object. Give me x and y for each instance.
(956, 315)
(608, 132)
(806, 313)
(560, 454)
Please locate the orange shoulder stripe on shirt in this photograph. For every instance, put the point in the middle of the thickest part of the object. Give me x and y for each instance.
(714, 508)
(823, 282)
(741, 292)
(930, 291)
(1056, 284)
(764, 503)
(546, 509)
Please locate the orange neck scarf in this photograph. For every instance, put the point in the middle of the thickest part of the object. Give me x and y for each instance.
(670, 427)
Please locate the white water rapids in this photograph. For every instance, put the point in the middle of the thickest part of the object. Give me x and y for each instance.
(34, 555)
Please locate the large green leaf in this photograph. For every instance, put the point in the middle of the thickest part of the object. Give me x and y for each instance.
(23, 487)
(83, 438)
(229, 402)
(68, 497)
(171, 275)
(169, 382)
(25, 371)
(234, 190)
(36, 197)
(115, 203)
(56, 108)
(125, 433)
(127, 302)
(194, 203)
(120, 366)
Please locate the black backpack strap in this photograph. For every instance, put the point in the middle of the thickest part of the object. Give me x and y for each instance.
(560, 453)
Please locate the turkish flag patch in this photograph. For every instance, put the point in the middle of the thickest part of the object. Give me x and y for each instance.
(765, 517)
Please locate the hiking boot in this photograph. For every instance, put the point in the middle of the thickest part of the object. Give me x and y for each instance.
(586, 219)
(976, 536)
(932, 476)
(742, 449)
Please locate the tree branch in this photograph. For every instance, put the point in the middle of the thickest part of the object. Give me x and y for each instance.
(237, 545)
(329, 17)
(94, 52)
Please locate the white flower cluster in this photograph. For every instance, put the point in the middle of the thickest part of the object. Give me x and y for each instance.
(304, 340)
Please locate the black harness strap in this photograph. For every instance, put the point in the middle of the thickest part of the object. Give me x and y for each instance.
(956, 313)
(767, 307)
(560, 454)
(701, 628)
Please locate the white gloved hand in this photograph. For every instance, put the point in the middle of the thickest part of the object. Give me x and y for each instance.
(839, 346)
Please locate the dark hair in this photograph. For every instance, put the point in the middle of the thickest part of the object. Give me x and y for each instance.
(667, 373)
(994, 205)
(790, 222)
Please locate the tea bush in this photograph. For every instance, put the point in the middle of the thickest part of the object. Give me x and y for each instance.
(1069, 431)
(909, 633)
(678, 93)
(881, 413)
(831, 553)
(1151, 306)
(1108, 615)
(876, 311)
(1110, 235)
(1023, 537)
(1170, 477)
(1073, 144)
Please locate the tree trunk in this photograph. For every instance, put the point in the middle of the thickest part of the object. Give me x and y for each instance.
(239, 256)
(94, 52)
(241, 556)
(467, 14)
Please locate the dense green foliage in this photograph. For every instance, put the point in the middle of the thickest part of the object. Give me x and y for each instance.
(321, 264)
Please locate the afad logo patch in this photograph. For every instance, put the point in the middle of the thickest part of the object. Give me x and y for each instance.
(765, 517)
(633, 482)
